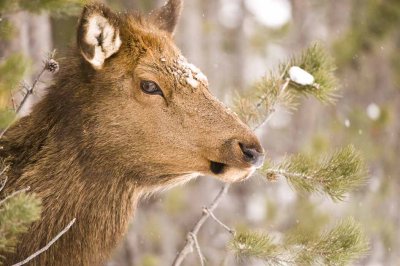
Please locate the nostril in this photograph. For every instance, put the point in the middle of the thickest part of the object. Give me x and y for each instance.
(251, 155)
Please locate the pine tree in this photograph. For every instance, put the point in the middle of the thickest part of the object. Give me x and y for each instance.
(334, 175)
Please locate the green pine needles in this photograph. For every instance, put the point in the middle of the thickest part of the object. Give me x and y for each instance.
(16, 214)
(320, 64)
(248, 245)
(17, 211)
(335, 174)
(339, 245)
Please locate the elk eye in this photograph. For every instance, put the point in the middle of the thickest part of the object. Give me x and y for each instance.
(150, 87)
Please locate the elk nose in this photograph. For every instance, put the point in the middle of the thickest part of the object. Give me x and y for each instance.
(252, 155)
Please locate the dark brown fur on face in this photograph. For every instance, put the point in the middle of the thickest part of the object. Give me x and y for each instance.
(97, 142)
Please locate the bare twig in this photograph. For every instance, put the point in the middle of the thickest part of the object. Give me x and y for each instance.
(37, 253)
(30, 90)
(227, 228)
(188, 248)
(3, 183)
(208, 211)
(272, 110)
(197, 246)
(48, 65)
(15, 193)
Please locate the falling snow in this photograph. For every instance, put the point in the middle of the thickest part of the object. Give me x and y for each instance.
(373, 111)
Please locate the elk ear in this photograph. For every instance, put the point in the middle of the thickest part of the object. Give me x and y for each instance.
(98, 34)
(167, 16)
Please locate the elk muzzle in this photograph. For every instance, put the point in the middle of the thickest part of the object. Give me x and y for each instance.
(237, 159)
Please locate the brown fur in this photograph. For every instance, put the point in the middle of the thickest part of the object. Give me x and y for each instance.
(96, 142)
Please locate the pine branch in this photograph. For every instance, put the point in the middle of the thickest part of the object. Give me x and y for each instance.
(268, 94)
(253, 245)
(335, 174)
(337, 246)
(15, 193)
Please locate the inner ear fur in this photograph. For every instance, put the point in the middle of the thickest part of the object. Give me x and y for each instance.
(98, 35)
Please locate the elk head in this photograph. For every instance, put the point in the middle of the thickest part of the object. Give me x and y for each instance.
(153, 119)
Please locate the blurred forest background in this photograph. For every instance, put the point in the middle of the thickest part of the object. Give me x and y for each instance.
(235, 42)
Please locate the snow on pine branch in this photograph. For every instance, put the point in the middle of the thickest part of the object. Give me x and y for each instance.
(300, 76)
(310, 74)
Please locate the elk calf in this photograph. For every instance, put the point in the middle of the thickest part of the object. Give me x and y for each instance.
(127, 115)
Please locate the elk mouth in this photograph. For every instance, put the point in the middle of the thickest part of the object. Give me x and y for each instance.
(217, 168)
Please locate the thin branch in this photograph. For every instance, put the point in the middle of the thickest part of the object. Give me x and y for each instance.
(49, 65)
(37, 253)
(3, 183)
(272, 110)
(287, 174)
(4, 170)
(30, 90)
(227, 228)
(197, 246)
(15, 193)
(188, 248)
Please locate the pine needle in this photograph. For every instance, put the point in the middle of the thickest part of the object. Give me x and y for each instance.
(16, 214)
(249, 245)
(340, 245)
(335, 174)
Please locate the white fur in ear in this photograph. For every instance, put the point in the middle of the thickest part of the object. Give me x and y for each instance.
(102, 38)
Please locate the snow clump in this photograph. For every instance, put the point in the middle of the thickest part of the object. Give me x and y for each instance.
(300, 76)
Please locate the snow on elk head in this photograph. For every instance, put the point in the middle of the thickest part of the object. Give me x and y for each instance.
(153, 114)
